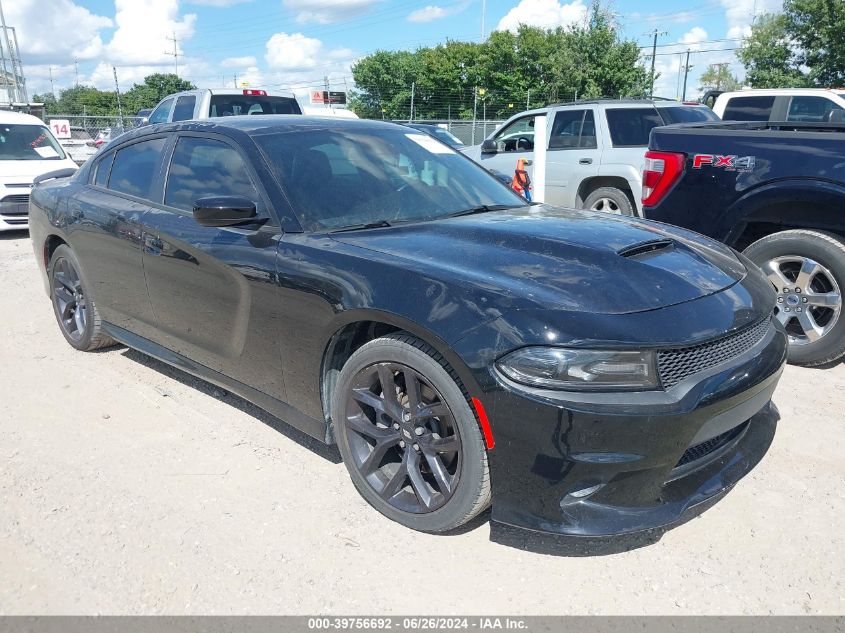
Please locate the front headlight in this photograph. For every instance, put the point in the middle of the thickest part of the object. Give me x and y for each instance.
(581, 369)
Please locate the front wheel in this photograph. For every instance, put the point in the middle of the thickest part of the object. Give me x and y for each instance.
(610, 200)
(807, 269)
(408, 437)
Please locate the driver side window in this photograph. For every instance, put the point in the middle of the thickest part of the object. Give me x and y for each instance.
(518, 136)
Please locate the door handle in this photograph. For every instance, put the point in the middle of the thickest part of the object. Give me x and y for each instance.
(585, 161)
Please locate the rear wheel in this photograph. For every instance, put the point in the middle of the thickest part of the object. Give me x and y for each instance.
(609, 200)
(73, 306)
(408, 437)
(807, 268)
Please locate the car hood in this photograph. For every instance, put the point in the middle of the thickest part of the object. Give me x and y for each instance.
(23, 171)
(552, 258)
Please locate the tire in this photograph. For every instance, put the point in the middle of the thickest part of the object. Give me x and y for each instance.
(75, 311)
(399, 481)
(610, 200)
(807, 268)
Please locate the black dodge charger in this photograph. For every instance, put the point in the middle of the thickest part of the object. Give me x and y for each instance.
(583, 373)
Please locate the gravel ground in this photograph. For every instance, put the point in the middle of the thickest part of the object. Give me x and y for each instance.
(128, 487)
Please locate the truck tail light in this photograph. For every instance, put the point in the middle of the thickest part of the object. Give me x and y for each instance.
(255, 93)
(660, 171)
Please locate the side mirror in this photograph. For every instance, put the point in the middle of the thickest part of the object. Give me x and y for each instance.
(223, 210)
(489, 147)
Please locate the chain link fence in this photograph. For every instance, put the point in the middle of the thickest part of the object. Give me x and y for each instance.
(469, 132)
(92, 127)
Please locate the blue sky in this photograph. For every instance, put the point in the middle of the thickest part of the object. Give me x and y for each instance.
(295, 43)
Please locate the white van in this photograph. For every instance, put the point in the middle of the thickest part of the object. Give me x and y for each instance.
(27, 149)
(812, 105)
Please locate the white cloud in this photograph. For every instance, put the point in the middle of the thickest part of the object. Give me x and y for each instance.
(292, 51)
(546, 14)
(143, 29)
(51, 31)
(428, 14)
(218, 3)
(239, 62)
(327, 11)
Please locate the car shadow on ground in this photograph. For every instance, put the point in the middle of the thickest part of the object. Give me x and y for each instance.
(526, 540)
(317, 447)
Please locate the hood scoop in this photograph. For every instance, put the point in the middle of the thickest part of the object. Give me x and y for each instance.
(649, 247)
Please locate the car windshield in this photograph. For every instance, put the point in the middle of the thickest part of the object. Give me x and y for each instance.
(340, 178)
(694, 114)
(28, 142)
(234, 105)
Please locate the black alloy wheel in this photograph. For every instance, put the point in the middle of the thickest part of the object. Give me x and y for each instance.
(69, 299)
(403, 437)
(75, 310)
(408, 437)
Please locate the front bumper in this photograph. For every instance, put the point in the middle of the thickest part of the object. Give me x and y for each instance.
(620, 463)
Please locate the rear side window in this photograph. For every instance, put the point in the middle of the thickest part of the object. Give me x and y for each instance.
(812, 109)
(203, 167)
(184, 108)
(630, 127)
(573, 129)
(101, 177)
(134, 168)
(235, 105)
(678, 114)
(757, 108)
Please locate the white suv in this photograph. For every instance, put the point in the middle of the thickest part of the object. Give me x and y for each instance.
(595, 148)
(206, 103)
(27, 149)
(815, 105)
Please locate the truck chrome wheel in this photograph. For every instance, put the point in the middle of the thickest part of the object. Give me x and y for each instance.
(809, 300)
(606, 205)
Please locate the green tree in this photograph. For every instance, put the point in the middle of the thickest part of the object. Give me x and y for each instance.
(152, 90)
(49, 101)
(818, 28)
(718, 77)
(507, 73)
(770, 56)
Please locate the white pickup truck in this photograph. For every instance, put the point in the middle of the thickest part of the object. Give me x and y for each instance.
(207, 103)
(595, 148)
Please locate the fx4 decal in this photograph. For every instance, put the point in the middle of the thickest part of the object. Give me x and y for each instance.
(729, 163)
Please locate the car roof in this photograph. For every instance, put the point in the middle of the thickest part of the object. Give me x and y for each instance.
(779, 91)
(234, 92)
(7, 116)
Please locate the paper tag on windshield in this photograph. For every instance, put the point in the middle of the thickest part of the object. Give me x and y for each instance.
(46, 152)
(433, 146)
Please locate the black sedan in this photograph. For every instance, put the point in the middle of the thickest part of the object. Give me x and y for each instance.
(584, 373)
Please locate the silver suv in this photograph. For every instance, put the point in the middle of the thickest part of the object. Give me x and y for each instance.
(595, 148)
(206, 103)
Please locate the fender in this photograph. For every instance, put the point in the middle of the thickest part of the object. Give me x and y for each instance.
(758, 205)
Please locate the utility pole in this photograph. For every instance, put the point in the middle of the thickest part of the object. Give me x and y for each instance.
(175, 52)
(235, 79)
(76, 70)
(52, 87)
(328, 99)
(528, 100)
(678, 84)
(413, 94)
(483, 14)
(686, 74)
(474, 114)
(117, 90)
(655, 34)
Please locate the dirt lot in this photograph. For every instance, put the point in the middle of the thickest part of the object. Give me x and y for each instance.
(129, 487)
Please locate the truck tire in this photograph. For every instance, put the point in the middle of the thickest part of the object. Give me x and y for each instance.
(807, 268)
(609, 200)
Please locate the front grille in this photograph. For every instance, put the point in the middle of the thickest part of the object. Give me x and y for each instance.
(699, 451)
(675, 365)
(18, 197)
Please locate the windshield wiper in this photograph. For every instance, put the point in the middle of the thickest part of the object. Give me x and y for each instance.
(484, 208)
(358, 227)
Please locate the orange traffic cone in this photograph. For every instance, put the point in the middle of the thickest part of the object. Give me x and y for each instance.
(521, 181)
